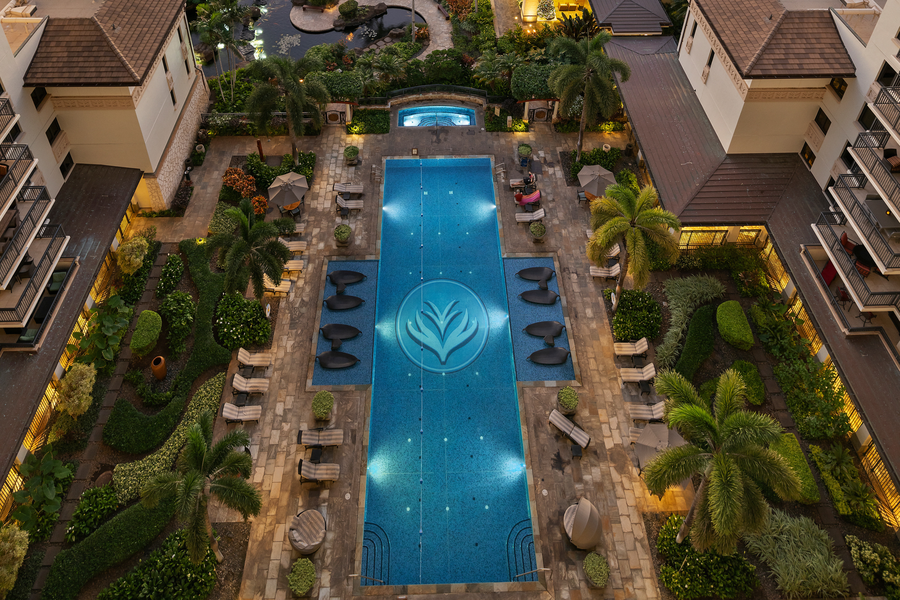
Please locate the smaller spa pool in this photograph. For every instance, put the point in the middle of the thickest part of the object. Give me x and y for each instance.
(427, 116)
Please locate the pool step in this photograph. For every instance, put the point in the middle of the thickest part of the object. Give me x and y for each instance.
(520, 552)
(376, 556)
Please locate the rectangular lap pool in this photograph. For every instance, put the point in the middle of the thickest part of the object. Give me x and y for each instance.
(446, 493)
(427, 116)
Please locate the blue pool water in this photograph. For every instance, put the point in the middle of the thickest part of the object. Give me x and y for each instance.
(446, 494)
(426, 116)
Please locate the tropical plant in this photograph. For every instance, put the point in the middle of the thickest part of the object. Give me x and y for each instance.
(215, 24)
(342, 233)
(578, 27)
(94, 506)
(204, 469)
(99, 344)
(75, 389)
(322, 404)
(596, 568)
(283, 81)
(260, 204)
(243, 184)
(41, 494)
(876, 564)
(389, 68)
(728, 448)
(568, 398)
(13, 546)
(254, 252)
(241, 322)
(538, 229)
(639, 316)
(178, 310)
(351, 152)
(631, 221)
(302, 576)
(588, 76)
(130, 255)
(685, 295)
(170, 276)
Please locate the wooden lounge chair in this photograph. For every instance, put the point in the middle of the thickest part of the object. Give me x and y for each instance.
(254, 359)
(573, 431)
(345, 206)
(307, 531)
(530, 217)
(645, 412)
(632, 375)
(320, 437)
(318, 472)
(282, 288)
(241, 414)
(638, 348)
(348, 188)
(606, 272)
(293, 265)
(297, 247)
(254, 385)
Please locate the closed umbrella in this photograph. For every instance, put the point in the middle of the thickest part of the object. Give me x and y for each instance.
(655, 438)
(582, 524)
(288, 189)
(594, 179)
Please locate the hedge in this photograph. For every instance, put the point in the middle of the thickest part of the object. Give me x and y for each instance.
(638, 315)
(530, 81)
(341, 85)
(133, 285)
(734, 326)
(265, 175)
(149, 325)
(685, 294)
(790, 449)
(170, 276)
(698, 344)
(113, 542)
(756, 389)
(369, 120)
(869, 518)
(26, 577)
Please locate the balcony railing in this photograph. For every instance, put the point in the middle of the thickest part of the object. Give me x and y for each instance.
(6, 113)
(41, 200)
(44, 266)
(847, 265)
(888, 102)
(18, 160)
(864, 147)
(860, 215)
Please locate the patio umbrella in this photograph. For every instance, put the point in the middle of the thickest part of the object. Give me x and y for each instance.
(582, 524)
(655, 438)
(594, 179)
(287, 189)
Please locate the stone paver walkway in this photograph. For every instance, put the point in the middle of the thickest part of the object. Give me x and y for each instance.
(506, 15)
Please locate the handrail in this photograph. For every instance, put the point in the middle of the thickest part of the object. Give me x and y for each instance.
(21, 158)
(55, 232)
(888, 102)
(6, 113)
(437, 87)
(869, 229)
(29, 223)
(864, 147)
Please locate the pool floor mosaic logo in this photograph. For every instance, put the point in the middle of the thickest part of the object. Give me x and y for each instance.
(442, 326)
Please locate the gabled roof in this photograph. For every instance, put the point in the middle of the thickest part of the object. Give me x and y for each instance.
(765, 40)
(630, 16)
(115, 47)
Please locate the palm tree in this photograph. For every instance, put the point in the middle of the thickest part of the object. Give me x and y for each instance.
(254, 251)
(204, 469)
(588, 75)
(488, 70)
(631, 221)
(728, 447)
(389, 68)
(216, 22)
(282, 78)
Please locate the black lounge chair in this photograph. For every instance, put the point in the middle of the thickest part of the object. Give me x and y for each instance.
(342, 278)
(343, 302)
(550, 356)
(336, 360)
(337, 333)
(539, 296)
(545, 329)
(540, 274)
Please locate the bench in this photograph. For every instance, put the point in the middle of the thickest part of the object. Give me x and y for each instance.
(645, 412)
(606, 272)
(311, 7)
(443, 11)
(345, 206)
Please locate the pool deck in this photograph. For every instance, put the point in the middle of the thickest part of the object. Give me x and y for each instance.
(607, 474)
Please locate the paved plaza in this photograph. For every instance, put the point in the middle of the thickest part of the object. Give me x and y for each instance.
(606, 474)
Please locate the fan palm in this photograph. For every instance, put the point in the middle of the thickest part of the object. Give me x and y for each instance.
(631, 221)
(488, 70)
(588, 75)
(254, 251)
(389, 68)
(728, 448)
(282, 80)
(204, 469)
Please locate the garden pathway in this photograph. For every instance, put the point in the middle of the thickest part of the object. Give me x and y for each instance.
(506, 15)
(606, 474)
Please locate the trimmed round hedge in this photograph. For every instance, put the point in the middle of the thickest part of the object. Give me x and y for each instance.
(733, 325)
(146, 333)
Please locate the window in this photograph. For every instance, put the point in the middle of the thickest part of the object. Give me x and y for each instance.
(839, 86)
(694, 29)
(180, 35)
(66, 166)
(886, 75)
(13, 134)
(187, 66)
(38, 95)
(823, 121)
(830, 183)
(53, 131)
(172, 95)
(166, 63)
(848, 159)
(808, 157)
(710, 59)
(867, 118)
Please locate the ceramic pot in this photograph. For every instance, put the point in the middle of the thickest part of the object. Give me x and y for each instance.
(158, 366)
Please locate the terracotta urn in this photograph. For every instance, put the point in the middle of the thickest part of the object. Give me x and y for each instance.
(158, 366)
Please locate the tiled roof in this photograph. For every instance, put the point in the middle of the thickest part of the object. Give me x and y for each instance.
(765, 40)
(630, 16)
(117, 46)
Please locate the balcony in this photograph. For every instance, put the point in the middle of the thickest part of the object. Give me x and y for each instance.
(887, 108)
(865, 211)
(16, 165)
(22, 220)
(19, 301)
(875, 292)
(7, 116)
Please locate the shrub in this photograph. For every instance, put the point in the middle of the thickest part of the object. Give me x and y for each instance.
(95, 505)
(341, 85)
(494, 122)
(685, 294)
(178, 310)
(342, 233)
(40, 498)
(756, 389)
(814, 396)
(198, 156)
(302, 576)
(538, 229)
(26, 576)
(733, 325)
(801, 556)
(789, 448)
(530, 81)
(596, 569)
(167, 573)
(241, 322)
(145, 392)
(638, 315)
(690, 574)
(525, 150)
(597, 156)
(747, 267)
(100, 343)
(113, 542)
(260, 204)
(13, 546)
(170, 276)
(876, 564)
(698, 344)
(149, 326)
(239, 181)
(348, 9)
(351, 152)
(183, 196)
(627, 178)
(130, 255)
(221, 222)
(568, 398)
(70, 435)
(133, 285)
(851, 498)
(75, 389)
(369, 120)
(322, 404)
(265, 175)
(130, 478)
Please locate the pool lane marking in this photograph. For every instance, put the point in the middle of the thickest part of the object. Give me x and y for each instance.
(422, 359)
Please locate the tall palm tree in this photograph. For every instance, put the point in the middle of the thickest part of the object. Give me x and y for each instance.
(204, 469)
(216, 23)
(588, 75)
(728, 447)
(389, 68)
(283, 80)
(631, 221)
(488, 70)
(254, 251)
